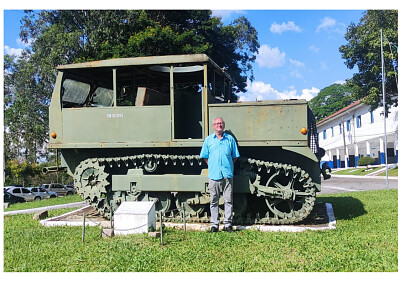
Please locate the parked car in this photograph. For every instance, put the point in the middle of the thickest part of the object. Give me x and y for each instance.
(12, 186)
(24, 193)
(60, 189)
(9, 198)
(42, 193)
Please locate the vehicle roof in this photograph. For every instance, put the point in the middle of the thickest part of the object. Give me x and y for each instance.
(149, 60)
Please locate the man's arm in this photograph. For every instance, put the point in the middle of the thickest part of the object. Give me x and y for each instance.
(206, 160)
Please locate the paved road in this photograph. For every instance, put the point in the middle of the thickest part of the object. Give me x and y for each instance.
(340, 184)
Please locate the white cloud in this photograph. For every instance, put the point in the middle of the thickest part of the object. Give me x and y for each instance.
(22, 44)
(323, 66)
(270, 57)
(326, 23)
(309, 94)
(258, 90)
(296, 74)
(306, 94)
(226, 14)
(17, 51)
(279, 28)
(341, 82)
(314, 49)
(296, 63)
(12, 51)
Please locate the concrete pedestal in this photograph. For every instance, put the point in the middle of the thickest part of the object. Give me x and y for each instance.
(134, 217)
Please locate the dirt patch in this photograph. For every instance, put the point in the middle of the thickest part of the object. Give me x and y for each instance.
(77, 215)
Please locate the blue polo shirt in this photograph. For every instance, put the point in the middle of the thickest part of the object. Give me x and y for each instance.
(220, 154)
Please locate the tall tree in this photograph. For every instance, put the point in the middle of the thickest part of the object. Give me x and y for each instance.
(65, 36)
(69, 36)
(331, 99)
(25, 110)
(364, 51)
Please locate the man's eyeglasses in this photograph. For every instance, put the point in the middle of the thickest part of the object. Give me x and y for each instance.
(218, 123)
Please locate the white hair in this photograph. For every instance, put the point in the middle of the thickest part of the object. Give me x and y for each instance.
(218, 118)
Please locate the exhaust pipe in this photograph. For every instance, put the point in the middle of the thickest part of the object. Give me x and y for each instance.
(53, 169)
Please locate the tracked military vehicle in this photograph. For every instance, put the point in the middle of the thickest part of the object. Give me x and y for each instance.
(131, 129)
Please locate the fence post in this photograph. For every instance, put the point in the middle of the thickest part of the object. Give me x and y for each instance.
(111, 219)
(161, 231)
(184, 218)
(83, 227)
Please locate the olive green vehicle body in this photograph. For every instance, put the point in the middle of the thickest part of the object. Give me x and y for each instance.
(165, 105)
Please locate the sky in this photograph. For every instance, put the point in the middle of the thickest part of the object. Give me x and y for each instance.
(298, 55)
(299, 51)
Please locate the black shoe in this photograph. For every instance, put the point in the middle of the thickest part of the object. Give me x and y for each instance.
(228, 229)
(213, 229)
(327, 177)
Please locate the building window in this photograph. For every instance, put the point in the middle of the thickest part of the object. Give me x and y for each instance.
(332, 131)
(359, 121)
(372, 117)
(348, 125)
(340, 128)
(324, 134)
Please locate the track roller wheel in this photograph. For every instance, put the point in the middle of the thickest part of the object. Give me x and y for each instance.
(163, 200)
(187, 201)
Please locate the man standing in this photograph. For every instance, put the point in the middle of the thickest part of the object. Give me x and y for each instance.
(220, 153)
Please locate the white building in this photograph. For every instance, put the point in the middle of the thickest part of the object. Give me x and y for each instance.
(354, 132)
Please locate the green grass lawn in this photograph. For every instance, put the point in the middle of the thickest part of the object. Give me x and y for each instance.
(356, 171)
(366, 239)
(361, 171)
(391, 172)
(45, 202)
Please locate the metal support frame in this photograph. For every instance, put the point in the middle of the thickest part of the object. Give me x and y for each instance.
(205, 102)
(172, 98)
(115, 87)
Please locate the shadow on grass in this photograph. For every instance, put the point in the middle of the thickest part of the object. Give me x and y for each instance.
(345, 208)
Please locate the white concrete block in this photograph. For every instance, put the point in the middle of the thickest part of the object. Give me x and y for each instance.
(134, 217)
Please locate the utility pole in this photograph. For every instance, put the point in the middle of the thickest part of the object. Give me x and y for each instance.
(384, 111)
(344, 144)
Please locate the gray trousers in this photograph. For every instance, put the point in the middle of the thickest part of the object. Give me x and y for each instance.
(216, 187)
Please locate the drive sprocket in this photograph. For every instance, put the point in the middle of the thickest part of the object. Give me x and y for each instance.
(91, 180)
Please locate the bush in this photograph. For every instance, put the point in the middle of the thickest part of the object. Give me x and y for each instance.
(30, 174)
(365, 161)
